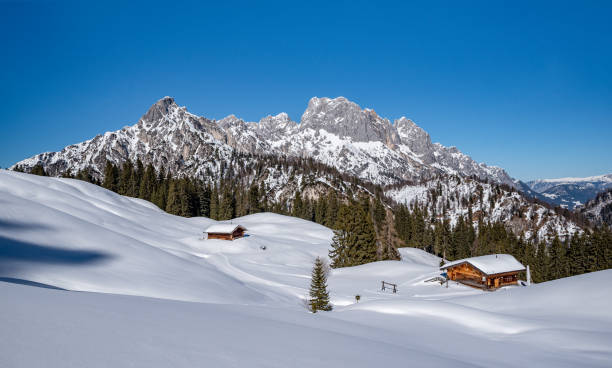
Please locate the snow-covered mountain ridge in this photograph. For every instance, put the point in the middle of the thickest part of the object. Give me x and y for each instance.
(336, 132)
(451, 197)
(599, 209)
(570, 192)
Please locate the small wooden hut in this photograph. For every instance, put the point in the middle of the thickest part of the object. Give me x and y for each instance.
(225, 231)
(487, 272)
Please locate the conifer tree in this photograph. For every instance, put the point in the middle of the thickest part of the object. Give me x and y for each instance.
(125, 179)
(184, 203)
(160, 193)
(38, 169)
(214, 203)
(379, 213)
(139, 172)
(320, 210)
(262, 195)
(331, 210)
(556, 267)
(227, 204)
(338, 252)
(355, 238)
(576, 255)
(254, 205)
(147, 184)
(204, 194)
(298, 205)
(173, 205)
(590, 250)
(111, 177)
(319, 296)
(364, 251)
(85, 175)
(542, 265)
(387, 240)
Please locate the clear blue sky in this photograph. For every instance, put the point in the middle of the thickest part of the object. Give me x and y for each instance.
(523, 86)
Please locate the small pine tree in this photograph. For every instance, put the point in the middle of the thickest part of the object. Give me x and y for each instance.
(319, 296)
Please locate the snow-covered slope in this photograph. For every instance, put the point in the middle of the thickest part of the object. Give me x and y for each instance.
(571, 192)
(335, 131)
(511, 328)
(78, 236)
(236, 304)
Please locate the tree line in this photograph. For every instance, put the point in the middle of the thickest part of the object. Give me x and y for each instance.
(586, 252)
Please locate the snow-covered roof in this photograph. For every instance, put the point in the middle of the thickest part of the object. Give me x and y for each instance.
(223, 228)
(490, 264)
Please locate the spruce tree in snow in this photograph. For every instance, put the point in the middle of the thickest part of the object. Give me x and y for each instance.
(338, 251)
(319, 296)
(355, 238)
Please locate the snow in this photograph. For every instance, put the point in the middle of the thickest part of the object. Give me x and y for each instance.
(154, 294)
(222, 228)
(490, 264)
(603, 178)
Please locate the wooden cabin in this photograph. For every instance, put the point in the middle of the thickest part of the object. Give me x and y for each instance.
(487, 272)
(225, 231)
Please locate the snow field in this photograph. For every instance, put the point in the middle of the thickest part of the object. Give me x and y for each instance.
(191, 302)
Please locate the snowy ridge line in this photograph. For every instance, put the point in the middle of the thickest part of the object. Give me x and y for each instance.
(452, 198)
(335, 131)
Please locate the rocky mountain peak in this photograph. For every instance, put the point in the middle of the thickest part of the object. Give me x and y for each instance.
(160, 109)
(347, 119)
(276, 123)
(229, 121)
(413, 136)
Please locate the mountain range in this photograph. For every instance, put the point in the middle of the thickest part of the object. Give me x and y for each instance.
(356, 142)
(336, 132)
(570, 192)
